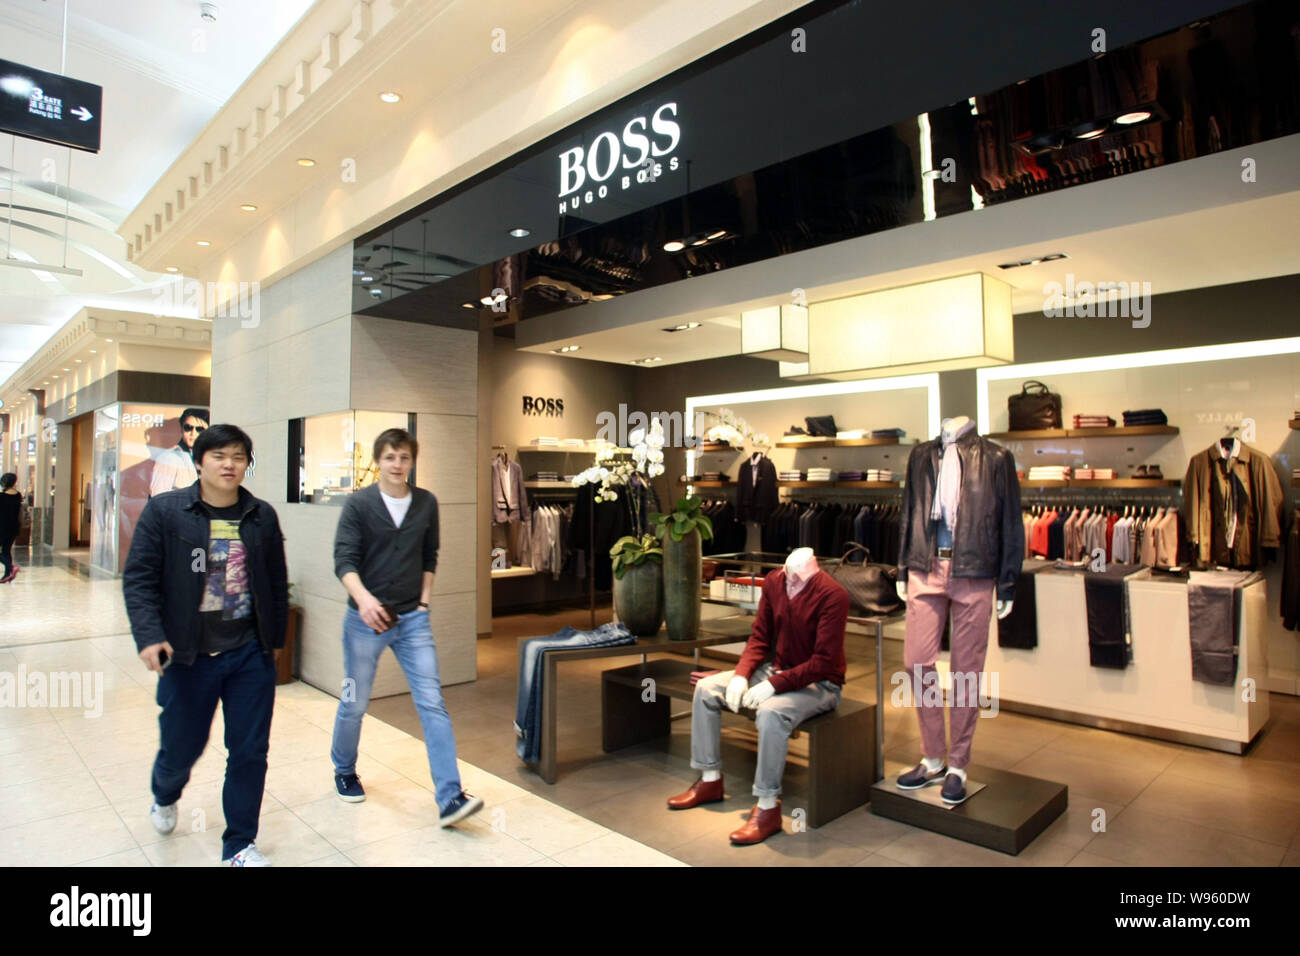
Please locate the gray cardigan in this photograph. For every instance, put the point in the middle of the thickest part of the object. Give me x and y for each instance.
(391, 561)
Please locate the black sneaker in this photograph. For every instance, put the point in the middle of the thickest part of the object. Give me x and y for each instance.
(459, 808)
(349, 788)
(954, 789)
(919, 777)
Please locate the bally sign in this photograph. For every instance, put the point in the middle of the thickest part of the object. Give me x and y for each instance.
(644, 141)
(49, 107)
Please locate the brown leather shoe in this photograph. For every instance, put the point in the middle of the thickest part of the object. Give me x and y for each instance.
(760, 825)
(700, 792)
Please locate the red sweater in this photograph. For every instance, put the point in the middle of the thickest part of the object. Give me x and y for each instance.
(803, 637)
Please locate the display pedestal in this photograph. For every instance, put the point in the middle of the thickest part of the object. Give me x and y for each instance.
(1006, 815)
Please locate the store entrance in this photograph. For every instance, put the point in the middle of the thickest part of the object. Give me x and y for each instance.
(79, 463)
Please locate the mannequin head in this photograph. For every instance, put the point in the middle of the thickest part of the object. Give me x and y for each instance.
(801, 564)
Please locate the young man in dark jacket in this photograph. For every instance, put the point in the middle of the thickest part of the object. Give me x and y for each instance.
(207, 593)
(386, 553)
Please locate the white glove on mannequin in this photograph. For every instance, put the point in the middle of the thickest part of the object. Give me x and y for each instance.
(757, 694)
(1004, 607)
(901, 588)
(736, 688)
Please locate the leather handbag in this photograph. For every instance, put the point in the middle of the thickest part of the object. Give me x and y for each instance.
(1034, 407)
(822, 426)
(872, 587)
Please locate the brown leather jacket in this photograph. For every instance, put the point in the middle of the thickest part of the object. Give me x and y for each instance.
(1259, 507)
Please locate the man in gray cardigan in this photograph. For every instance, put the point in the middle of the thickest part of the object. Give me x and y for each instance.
(386, 553)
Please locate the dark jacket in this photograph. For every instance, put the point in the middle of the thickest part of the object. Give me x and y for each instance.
(989, 540)
(163, 583)
(757, 497)
(390, 561)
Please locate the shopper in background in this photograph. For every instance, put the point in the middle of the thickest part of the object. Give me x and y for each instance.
(386, 553)
(207, 593)
(11, 521)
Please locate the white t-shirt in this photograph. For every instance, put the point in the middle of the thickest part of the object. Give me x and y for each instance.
(397, 507)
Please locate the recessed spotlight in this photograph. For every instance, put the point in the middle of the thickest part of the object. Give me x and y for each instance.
(717, 235)
(306, 162)
(172, 269)
(602, 296)
(1137, 116)
(78, 362)
(1050, 257)
(377, 293)
(467, 305)
(367, 278)
(67, 370)
(684, 327)
(647, 361)
(388, 96)
(566, 348)
(358, 272)
(700, 241)
(108, 340)
(1091, 134)
(674, 245)
(93, 351)
(519, 232)
(56, 376)
(248, 207)
(202, 242)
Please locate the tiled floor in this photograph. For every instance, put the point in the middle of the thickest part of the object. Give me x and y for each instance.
(74, 789)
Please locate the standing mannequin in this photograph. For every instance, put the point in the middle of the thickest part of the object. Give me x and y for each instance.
(792, 668)
(962, 537)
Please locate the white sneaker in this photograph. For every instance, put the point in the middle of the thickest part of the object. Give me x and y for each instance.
(248, 856)
(163, 818)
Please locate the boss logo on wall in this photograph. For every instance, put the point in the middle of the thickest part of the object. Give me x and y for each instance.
(644, 141)
(543, 406)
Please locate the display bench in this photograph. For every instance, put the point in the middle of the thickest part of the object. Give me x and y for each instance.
(1155, 695)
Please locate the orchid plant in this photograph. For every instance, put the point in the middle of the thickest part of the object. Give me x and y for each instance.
(647, 462)
(733, 429)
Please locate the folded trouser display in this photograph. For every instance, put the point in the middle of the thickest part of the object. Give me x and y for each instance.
(528, 708)
(1213, 603)
(930, 598)
(775, 719)
(1107, 602)
(1020, 627)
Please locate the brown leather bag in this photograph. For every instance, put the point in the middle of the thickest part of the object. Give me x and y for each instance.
(872, 587)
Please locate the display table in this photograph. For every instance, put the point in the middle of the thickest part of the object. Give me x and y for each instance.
(1155, 695)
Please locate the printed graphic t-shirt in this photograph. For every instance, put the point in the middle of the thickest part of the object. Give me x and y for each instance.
(227, 604)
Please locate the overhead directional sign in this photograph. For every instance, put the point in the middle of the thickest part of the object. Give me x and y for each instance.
(49, 107)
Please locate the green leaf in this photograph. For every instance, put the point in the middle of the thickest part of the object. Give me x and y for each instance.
(706, 527)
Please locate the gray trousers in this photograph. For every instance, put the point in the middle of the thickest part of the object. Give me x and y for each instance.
(776, 718)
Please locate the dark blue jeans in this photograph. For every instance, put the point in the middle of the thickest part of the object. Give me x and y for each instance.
(243, 680)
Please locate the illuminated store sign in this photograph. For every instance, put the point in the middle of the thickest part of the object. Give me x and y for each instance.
(644, 142)
(49, 107)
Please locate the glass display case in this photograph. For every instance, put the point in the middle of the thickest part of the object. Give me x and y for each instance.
(331, 454)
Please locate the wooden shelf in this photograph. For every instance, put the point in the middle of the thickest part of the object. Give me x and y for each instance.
(1294, 423)
(701, 483)
(550, 485)
(1043, 483)
(843, 442)
(1131, 431)
(868, 484)
(805, 484)
(1102, 483)
(518, 571)
(705, 448)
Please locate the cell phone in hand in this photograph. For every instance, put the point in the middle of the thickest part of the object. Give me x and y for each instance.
(388, 613)
(164, 660)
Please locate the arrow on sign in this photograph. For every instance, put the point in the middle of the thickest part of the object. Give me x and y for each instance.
(83, 113)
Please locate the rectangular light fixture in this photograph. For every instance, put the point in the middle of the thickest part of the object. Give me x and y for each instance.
(779, 332)
(956, 323)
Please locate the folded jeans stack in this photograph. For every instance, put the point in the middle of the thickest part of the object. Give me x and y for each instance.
(1145, 416)
(888, 433)
(1093, 421)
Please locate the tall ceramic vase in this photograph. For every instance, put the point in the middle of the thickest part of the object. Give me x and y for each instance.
(639, 598)
(682, 575)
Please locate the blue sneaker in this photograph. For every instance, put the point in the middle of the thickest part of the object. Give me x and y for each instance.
(918, 777)
(459, 808)
(954, 789)
(349, 788)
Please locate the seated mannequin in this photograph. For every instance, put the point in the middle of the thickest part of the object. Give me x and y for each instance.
(961, 489)
(792, 668)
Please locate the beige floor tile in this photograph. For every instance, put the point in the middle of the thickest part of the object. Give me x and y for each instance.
(1118, 748)
(541, 825)
(63, 841)
(57, 759)
(806, 848)
(30, 738)
(491, 788)
(307, 781)
(1075, 826)
(389, 810)
(135, 857)
(128, 783)
(644, 816)
(334, 859)
(286, 840)
(1114, 783)
(1275, 779)
(614, 849)
(923, 848)
(864, 829)
(50, 797)
(24, 716)
(875, 859)
(200, 808)
(191, 849)
(107, 750)
(1144, 838)
(1091, 859)
(1243, 812)
(474, 844)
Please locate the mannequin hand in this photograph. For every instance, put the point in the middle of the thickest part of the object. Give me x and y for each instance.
(735, 691)
(901, 588)
(1004, 608)
(757, 694)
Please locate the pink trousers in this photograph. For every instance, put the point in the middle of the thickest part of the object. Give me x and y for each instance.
(929, 599)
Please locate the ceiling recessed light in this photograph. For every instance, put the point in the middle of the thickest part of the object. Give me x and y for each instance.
(519, 232)
(367, 278)
(1137, 116)
(467, 305)
(1091, 134)
(306, 162)
(108, 340)
(674, 245)
(78, 361)
(388, 96)
(93, 351)
(602, 296)
(647, 361)
(717, 235)
(700, 241)
(202, 242)
(67, 370)
(172, 269)
(684, 327)
(566, 348)
(56, 376)
(248, 207)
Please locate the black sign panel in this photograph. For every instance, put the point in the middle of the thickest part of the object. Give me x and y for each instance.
(52, 108)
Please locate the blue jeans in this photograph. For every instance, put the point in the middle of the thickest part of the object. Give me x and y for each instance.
(528, 707)
(411, 639)
(243, 680)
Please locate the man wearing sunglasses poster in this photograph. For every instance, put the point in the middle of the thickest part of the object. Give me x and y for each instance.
(174, 468)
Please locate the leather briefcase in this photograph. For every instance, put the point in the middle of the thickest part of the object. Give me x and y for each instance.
(823, 426)
(872, 587)
(1034, 408)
